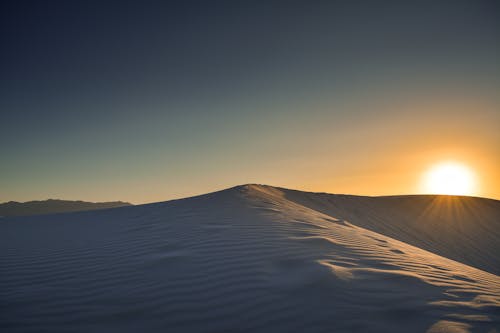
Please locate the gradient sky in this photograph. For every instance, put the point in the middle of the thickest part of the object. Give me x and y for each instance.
(151, 100)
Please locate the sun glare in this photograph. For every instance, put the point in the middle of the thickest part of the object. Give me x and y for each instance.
(449, 178)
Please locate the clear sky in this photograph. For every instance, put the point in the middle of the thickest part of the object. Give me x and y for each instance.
(151, 100)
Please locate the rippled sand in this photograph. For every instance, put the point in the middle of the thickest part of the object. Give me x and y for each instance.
(248, 259)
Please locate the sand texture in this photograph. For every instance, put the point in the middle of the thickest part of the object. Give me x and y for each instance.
(253, 259)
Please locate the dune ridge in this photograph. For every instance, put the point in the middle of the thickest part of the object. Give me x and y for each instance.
(245, 259)
(466, 229)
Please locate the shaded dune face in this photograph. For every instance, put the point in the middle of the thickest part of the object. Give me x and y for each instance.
(465, 229)
(245, 259)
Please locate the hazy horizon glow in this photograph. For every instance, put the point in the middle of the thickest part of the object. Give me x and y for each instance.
(105, 101)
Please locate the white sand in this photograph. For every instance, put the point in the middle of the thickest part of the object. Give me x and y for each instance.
(248, 259)
(465, 229)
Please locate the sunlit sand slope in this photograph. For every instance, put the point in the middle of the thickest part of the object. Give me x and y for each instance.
(245, 259)
(465, 229)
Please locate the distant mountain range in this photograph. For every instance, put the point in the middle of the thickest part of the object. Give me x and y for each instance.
(52, 206)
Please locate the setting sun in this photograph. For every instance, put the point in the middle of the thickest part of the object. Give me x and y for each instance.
(449, 178)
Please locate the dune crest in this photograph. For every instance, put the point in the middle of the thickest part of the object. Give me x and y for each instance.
(466, 229)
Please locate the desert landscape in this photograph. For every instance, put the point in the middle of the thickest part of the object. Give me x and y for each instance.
(256, 258)
(253, 166)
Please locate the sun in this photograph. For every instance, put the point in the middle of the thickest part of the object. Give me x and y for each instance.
(449, 178)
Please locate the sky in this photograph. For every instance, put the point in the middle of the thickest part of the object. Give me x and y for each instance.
(147, 101)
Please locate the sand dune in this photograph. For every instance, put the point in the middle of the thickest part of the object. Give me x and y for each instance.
(247, 259)
(466, 229)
